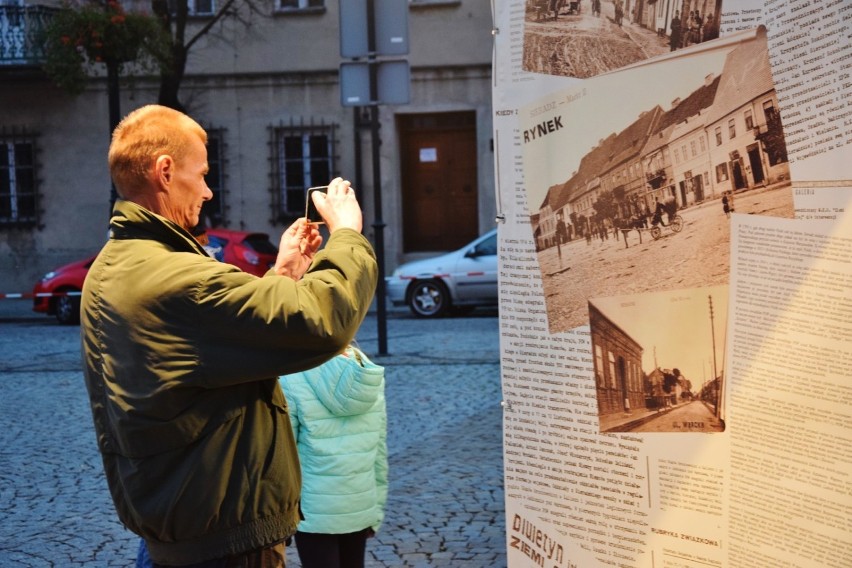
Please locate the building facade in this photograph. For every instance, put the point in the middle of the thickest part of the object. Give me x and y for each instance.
(724, 137)
(619, 380)
(266, 87)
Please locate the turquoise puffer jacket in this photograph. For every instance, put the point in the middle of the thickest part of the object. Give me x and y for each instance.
(339, 418)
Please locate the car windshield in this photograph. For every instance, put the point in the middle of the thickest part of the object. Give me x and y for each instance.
(261, 244)
(487, 247)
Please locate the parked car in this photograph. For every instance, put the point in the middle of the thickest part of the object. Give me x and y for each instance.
(57, 293)
(462, 279)
(249, 251)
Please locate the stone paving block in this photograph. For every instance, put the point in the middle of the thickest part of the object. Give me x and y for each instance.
(445, 505)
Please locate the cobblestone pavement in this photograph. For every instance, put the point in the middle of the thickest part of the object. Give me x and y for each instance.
(445, 506)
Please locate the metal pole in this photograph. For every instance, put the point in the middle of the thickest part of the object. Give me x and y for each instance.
(356, 139)
(715, 372)
(113, 98)
(378, 223)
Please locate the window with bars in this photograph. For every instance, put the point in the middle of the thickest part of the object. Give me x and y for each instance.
(18, 182)
(303, 157)
(214, 211)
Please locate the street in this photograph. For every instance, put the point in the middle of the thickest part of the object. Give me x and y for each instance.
(697, 256)
(445, 505)
(693, 416)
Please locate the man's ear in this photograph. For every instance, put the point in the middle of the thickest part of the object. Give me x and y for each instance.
(164, 169)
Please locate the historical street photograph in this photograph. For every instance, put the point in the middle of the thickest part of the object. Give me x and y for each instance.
(659, 360)
(584, 38)
(638, 194)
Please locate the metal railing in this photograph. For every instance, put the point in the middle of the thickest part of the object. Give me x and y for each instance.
(22, 34)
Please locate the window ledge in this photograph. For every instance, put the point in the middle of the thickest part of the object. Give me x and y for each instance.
(313, 11)
(421, 4)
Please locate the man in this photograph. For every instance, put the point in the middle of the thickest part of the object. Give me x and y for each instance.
(182, 353)
(674, 38)
(561, 236)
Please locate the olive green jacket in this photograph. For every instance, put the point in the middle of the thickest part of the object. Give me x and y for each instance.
(181, 357)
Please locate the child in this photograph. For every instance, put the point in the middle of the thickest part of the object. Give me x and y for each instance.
(339, 419)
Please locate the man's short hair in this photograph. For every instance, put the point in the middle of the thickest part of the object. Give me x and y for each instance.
(141, 137)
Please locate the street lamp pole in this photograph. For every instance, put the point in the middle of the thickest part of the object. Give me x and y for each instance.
(715, 373)
(378, 222)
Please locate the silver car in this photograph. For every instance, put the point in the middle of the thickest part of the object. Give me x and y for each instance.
(458, 280)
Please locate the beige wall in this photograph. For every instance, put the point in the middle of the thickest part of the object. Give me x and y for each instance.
(285, 67)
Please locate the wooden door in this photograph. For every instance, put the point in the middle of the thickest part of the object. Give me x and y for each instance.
(439, 181)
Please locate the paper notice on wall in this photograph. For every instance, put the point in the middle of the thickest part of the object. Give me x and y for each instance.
(617, 192)
(789, 396)
(811, 55)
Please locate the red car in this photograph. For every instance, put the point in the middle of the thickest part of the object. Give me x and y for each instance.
(249, 251)
(58, 291)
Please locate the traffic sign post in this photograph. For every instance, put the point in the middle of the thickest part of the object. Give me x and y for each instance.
(371, 29)
(392, 83)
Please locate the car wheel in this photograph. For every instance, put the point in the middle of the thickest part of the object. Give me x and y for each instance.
(68, 310)
(428, 298)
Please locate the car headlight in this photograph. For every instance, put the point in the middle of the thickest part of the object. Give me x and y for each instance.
(48, 276)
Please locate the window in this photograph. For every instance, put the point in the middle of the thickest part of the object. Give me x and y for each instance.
(722, 172)
(488, 247)
(213, 211)
(612, 378)
(732, 129)
(300, 4)
(693, 148)
(18, 191)
(599, 365)
(718, 136)
(769, 111)
(677, 156)
(749, 120)
(303, 157)
(201, 7)
(702, 144)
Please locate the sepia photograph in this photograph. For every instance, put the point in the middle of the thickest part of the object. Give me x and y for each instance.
(585, 38)
(638, 194)
(659, 360)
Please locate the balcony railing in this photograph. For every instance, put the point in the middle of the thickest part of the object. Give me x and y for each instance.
(22, 34)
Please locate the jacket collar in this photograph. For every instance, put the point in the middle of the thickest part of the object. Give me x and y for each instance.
(132, 221)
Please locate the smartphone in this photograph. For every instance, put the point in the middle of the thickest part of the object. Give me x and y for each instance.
(311, 212)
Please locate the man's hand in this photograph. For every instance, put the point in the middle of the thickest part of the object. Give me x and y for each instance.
(338, 206)
(299, 243)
